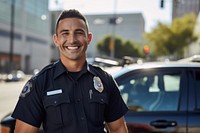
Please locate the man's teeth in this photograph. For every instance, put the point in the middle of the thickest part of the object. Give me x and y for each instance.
(72, 48)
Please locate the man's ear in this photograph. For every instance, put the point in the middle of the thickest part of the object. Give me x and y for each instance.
(55, 39)
(89, 37)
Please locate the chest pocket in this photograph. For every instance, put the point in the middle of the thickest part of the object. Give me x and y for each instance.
(97, 104)
(56, 100)
(57, 107)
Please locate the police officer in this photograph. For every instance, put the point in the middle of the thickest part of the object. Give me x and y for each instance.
(70, 95)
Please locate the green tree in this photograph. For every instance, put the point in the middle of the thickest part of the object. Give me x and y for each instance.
(103, 46)
(172, 39)
(130, 49)
(122, 48)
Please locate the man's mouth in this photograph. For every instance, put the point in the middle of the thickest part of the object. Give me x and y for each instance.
(72, 47)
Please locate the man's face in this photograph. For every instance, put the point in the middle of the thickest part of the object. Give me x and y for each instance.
(72, 39)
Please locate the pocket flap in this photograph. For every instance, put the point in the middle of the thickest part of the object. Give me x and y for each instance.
(99, 98)
(55, 100)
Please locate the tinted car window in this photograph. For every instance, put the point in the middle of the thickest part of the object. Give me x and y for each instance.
(151, 91)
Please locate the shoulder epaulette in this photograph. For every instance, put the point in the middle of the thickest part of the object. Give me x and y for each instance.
(46, 68)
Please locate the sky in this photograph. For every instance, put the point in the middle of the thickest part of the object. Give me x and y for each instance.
(151, 10)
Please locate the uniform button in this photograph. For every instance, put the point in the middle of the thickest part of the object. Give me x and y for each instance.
(101, 100)
(55, 102)
(82, 118)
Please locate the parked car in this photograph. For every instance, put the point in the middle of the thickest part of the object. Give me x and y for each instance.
(17, 75)
(162, 97)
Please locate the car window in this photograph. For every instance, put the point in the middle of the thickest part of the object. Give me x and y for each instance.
(151, 91)
(171, 82)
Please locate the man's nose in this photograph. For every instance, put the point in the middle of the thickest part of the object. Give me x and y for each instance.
(71, 38)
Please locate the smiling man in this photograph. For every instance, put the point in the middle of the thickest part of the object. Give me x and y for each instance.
(70, 95)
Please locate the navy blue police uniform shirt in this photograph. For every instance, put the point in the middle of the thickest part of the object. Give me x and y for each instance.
(70, 102)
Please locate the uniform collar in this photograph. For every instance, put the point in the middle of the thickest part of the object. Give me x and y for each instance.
(90, 68)
(60, 69)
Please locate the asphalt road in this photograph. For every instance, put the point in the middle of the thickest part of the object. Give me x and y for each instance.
(9, 94)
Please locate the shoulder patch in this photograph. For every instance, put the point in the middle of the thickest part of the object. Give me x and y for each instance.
(26, 90)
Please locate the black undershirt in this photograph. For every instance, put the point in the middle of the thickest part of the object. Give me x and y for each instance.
(74, 75)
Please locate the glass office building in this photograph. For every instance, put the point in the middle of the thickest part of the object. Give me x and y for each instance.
(24, 34)
(183, 7)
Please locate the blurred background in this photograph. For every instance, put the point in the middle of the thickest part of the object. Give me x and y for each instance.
(149, 30)
(124, 32)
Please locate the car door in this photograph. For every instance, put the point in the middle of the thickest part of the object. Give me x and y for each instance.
(194, 101)
(155, 100)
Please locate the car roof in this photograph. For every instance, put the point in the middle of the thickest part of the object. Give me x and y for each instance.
(151, 65)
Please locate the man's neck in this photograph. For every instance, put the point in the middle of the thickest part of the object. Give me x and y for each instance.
(73, 65)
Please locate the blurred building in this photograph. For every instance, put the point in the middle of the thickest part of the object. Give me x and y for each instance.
(129, 26)
(54, 49)
(29, 47)
(194, 48)
(182, 7)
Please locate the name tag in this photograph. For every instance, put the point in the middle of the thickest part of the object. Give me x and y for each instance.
(54, 92)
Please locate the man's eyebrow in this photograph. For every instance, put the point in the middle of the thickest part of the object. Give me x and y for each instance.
(64, 30)
(80, 30)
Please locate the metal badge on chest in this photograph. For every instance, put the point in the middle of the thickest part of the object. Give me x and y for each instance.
(98, 85)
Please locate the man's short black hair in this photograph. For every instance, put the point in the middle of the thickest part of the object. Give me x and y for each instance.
(71, 13)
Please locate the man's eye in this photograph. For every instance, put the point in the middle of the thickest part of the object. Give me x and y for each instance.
(64, 34)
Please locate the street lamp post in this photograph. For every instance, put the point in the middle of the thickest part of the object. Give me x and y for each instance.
(112, 39)
(12, 19)
(113, 23)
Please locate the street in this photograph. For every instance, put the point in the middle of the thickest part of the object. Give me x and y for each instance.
(9, 93)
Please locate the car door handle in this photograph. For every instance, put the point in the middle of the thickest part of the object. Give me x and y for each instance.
(163, 123)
